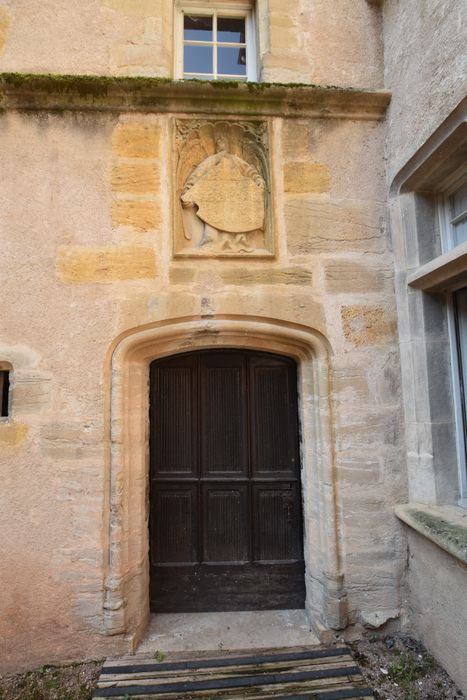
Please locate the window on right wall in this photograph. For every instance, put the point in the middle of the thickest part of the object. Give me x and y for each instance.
(453, 227)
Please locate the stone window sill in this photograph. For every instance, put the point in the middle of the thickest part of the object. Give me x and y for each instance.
(441, 273)
(446, 526)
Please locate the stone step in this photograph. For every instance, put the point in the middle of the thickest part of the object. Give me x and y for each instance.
(291, 674)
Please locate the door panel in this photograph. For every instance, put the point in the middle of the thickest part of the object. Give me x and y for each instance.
(274, 419)
(223, 415)
(277, 510)
(176, 504)
(226, 528)
(225, 523)
(175, 435)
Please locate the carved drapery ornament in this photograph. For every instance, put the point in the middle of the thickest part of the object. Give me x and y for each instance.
(221, 193)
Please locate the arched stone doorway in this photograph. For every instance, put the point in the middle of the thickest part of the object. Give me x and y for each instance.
(225, 483)
(126, 604)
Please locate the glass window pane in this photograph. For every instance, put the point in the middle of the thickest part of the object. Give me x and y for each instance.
(231, 29)
(197, 28)
(231, 61)
(459, 232)
(197, 59)
(458, 201)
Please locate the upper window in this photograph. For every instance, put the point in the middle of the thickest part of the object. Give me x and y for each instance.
(216, 42)
(454, 227)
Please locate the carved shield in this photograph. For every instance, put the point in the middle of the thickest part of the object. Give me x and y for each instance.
(228, 193)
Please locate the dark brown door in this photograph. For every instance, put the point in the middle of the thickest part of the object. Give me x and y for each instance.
(225, 526)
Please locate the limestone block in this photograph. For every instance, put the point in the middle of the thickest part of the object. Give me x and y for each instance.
(145, 8)
(368, 324)
(31, 392)
(351, 384)
(136, 56)
(296, 136)
(12, 434)
(141, 215)
(135, 178)
(348, 277)
(364, 430)
(182, 275)
(107, 264)
(315, 226)
(306, 177)
(283, 37)
(4, 26)
(134, 140)
(252, 276)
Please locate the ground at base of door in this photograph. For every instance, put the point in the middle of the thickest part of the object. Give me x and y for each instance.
(397, 668)
(300, 673)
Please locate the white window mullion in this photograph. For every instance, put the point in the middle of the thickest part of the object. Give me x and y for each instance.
(214, 48)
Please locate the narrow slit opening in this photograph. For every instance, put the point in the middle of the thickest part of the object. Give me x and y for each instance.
(4, 392)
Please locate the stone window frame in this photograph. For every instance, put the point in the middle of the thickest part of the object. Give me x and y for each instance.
(242, 8)
(426, 276)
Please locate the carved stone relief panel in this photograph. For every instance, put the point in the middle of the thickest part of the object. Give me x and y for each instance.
(222, 195)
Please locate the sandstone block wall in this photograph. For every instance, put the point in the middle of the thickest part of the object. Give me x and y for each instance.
(123, 37)
(89, 256)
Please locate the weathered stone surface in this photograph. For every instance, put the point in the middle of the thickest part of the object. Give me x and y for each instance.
(182, 275)
(316, 226)
(133, 140)
(139, 214)
(4, 26)
(296, 135)
(13, 434)
(32, 392)
(293, 275)
(147, 8)
(108, 264)
(368, 324)
(349, 276)
(140, 178)
(306, 177)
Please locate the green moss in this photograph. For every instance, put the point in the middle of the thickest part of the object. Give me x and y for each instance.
(100, 84)
(455, 535)
(83, 85)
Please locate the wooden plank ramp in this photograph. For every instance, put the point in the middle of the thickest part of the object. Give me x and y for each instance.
(297, 673)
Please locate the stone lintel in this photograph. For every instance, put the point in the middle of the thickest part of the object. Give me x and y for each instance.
(441, 273)
(107, 93)
(446, 526)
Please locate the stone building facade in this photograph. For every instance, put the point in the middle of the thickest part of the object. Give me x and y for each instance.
(145, 217)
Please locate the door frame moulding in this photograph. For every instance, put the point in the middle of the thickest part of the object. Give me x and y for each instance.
(125, 531)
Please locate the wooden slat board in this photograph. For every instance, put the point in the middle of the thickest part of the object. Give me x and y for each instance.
(283, 674)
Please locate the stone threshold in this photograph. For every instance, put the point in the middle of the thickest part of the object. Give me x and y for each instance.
(446, 526)
(31, 91)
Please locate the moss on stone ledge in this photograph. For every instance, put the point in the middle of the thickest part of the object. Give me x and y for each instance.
(36, 91)
(90, 84)
(455, 535)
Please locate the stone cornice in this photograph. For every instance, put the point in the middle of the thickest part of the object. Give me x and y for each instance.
(19, 91)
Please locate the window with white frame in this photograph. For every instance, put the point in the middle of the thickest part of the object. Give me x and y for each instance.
(453, 212)
(215, 41)
(454, 226)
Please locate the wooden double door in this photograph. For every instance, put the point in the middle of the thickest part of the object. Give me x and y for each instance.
(225, 523)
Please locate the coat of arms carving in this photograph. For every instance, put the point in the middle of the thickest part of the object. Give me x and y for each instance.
(222, 196)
